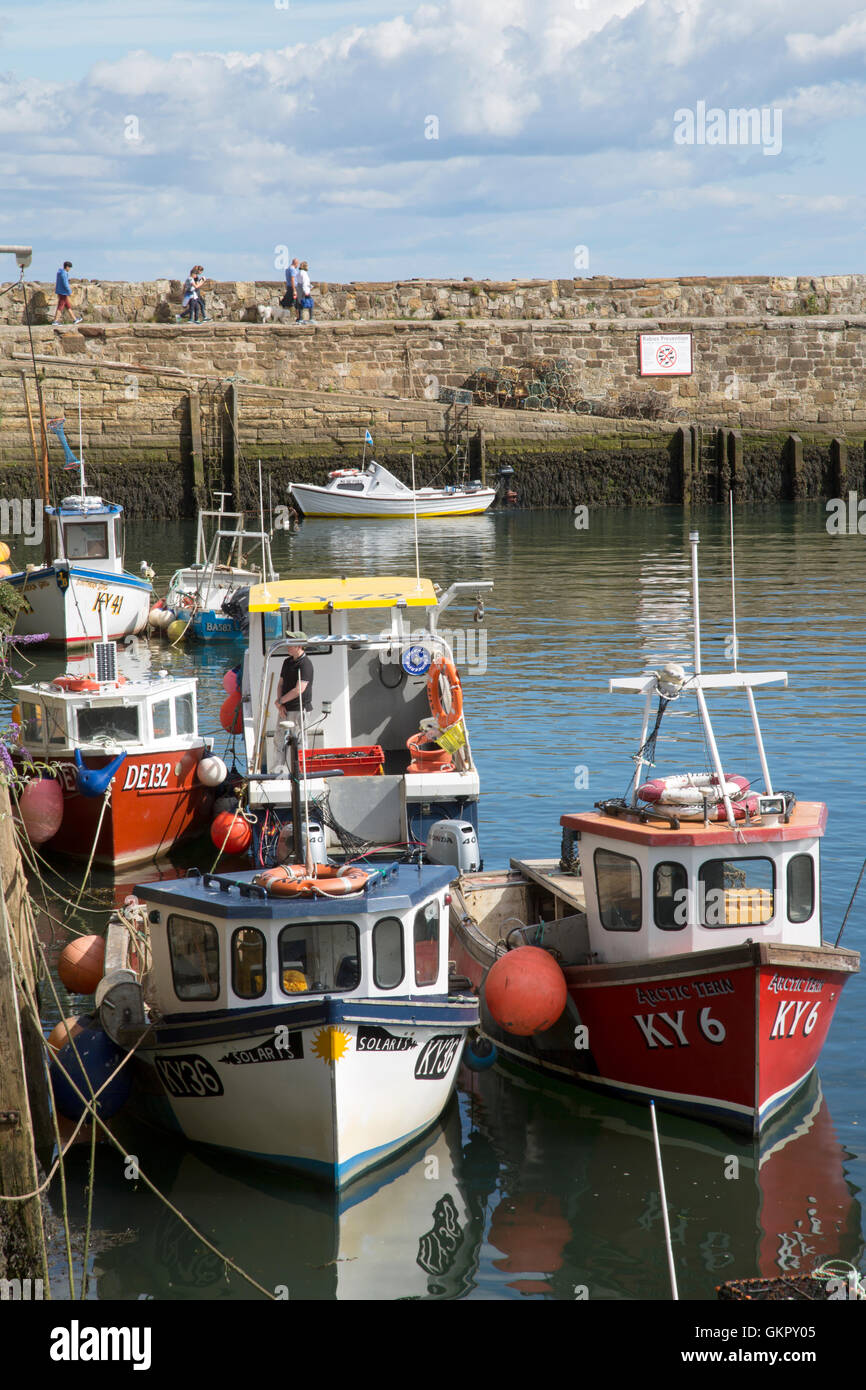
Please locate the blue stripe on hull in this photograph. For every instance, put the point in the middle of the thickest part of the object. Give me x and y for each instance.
(225, 1024)
(124, 580)
(336, 1174)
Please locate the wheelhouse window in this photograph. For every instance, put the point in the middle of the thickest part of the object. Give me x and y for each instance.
(350, 487)
(319, 958)
(249, 961)
(184, 714)
(670, 900)
(195, 959)
(736, 892)
(162, 719)
(801, 887)
(86, 540)
(120, 722)
(56, 719)
(426, 943)
(32, 723)
(388, 964)
(618, 880)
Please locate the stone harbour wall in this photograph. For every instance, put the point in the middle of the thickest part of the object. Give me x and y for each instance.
(109, 301)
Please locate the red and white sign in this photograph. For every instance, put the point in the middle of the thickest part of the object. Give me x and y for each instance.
(665, 354)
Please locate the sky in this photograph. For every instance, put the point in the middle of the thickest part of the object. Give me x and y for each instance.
(483, 138)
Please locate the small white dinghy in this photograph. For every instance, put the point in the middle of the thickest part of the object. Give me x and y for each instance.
(375, 493)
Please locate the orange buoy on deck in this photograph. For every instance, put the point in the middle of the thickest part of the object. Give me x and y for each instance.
(82, 963)
(231, 716)
(525, 991)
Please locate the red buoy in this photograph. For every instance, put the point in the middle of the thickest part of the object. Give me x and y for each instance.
(525, 991)
(82, 963)
(64, 1032)
(40, 806)
(230, 833)
(231, 717)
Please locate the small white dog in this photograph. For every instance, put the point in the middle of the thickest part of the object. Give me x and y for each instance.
(267, 314)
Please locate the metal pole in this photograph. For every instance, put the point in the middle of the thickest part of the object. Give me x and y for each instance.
(668, 1246)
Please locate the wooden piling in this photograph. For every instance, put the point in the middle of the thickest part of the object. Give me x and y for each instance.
(794, 449)
(687, 458)
(839, 465)
(23, 1084)
(231, 453)
(735, 463)
(197, 454)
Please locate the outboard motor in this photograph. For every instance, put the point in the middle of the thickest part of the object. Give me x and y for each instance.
(454, 842)
(237, 605)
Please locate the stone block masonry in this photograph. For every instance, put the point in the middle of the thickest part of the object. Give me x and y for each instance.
(307, 395)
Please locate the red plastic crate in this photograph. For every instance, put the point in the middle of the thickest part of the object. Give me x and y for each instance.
(352, 762)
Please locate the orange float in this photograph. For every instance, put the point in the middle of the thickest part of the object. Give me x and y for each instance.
(230, 832)
(64, 1032)
(82, 963)
(525, 991)
(230, 713)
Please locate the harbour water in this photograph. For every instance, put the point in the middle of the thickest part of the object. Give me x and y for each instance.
(524, 1193)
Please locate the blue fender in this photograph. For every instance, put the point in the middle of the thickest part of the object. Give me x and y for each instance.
(93, 781)
(480, 1053)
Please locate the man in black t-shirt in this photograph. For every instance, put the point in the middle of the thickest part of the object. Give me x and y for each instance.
(296, 679)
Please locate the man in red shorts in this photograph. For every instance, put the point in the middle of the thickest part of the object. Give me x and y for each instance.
(63, 291)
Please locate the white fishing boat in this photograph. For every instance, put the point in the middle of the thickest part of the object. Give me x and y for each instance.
(227, 563)
(83, 575)
(382, 758)
(280, 1024)
(374, 493)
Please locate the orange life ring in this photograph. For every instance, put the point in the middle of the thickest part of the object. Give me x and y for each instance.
(292, 880)
(75, 682)
(445, 718)
(345, 473)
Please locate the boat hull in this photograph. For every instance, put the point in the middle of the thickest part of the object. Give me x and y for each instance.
(330, 1087)
(68, 603)
(728, 1035)
(318, 502)
(156, 801)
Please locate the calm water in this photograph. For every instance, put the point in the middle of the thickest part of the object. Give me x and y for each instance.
(523, 1193)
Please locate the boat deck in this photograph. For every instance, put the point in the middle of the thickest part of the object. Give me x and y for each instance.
(566, 889)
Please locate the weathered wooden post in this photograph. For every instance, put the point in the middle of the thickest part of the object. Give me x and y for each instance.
(480, 459)
(23, 1084)
(839, 465)
(194, 402)
(794, 448)
(735, 464)
(231, 452)
(687, 456)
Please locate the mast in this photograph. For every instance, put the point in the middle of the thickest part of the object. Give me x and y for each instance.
(694, 540)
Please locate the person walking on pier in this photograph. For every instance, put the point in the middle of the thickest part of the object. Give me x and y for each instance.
(198, 279)
(63, 290)
(290, 298)
(305, 299)
(191, 302)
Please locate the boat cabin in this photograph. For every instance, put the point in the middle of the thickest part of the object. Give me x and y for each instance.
(79, 712)
(220, 943)
(652, 890)
(86, 532)
(370, 696)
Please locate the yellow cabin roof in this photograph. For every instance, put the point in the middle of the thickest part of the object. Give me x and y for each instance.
(314, 595)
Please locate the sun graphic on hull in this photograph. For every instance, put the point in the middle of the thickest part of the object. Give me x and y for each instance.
(331, 1044)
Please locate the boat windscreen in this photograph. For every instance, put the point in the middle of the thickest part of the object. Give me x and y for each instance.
(109, 722)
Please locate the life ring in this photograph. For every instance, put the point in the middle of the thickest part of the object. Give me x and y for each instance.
(345, 473)
(688, 811)
(71, 683)
(292, 880)
(692, 789)
(445, 718)
(187, 600)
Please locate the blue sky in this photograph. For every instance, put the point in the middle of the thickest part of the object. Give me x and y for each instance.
(136, 140)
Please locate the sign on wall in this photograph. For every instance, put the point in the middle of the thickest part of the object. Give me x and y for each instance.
(665, 354)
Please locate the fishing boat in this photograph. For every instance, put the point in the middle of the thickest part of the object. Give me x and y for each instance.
(382, 759)
(295, 1016)
(133, 776)
(675, 951)
(83, 575)
(227, 563)
(376, 494)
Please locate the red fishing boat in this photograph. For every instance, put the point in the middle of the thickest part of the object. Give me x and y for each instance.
(675, 951)
(130, 774)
